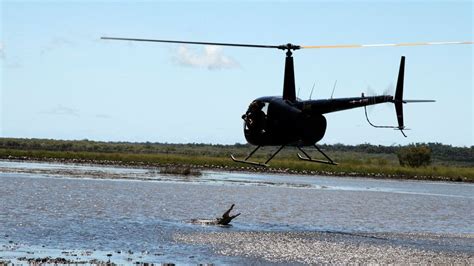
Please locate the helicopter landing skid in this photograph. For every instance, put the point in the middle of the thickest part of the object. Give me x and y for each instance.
(309, 159)
(265, 164)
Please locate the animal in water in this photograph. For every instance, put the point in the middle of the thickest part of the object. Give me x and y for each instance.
(224, 220)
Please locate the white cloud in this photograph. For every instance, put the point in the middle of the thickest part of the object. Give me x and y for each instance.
(211, 58)
(11, 62)
(61, 110)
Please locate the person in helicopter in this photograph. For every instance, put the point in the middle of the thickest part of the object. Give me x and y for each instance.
(255, 117)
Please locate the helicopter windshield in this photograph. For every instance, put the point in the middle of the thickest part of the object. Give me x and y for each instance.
(265, 108)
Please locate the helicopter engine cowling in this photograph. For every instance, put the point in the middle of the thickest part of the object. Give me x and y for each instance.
(275, 121)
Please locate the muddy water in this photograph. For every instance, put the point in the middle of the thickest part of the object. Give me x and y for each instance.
(140, 215)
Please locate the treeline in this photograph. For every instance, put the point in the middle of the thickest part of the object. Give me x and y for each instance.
(439, 152)
(113, 147)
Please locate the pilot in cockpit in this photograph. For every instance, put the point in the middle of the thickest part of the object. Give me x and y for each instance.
(255, 117)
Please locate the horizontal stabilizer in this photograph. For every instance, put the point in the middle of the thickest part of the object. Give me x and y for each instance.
(418, 101)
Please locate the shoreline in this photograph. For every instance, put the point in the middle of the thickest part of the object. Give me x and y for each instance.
(243, 169)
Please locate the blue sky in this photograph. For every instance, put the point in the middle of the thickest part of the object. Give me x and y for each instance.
(60, 81)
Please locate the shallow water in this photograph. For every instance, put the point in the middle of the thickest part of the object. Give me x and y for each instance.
(50, 207)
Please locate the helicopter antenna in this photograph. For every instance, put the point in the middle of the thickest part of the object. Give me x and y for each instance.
(333, 89)
(311, 94)
(298, 94)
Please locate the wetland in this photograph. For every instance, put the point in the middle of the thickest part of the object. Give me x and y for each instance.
(96, 213)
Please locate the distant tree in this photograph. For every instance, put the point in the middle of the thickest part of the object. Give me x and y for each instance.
(414, 156)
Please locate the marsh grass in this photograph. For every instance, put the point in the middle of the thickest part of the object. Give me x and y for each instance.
(350, 163)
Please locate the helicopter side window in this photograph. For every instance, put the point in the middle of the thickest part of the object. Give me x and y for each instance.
(265, 108)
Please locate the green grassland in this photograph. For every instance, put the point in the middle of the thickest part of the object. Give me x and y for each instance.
(448, 163)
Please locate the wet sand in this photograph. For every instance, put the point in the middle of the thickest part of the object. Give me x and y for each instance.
(275, 248)
(339, 247)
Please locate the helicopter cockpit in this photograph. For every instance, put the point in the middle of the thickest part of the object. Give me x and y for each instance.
(256, 116)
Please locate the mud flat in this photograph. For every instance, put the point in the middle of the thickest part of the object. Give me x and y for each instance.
(272, 248)
(339, 247)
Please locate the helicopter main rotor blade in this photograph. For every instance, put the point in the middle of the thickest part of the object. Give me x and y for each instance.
(379, 45)
(290, 46)
(186, 42)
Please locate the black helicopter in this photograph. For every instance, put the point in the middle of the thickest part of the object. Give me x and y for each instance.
(288, 121)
